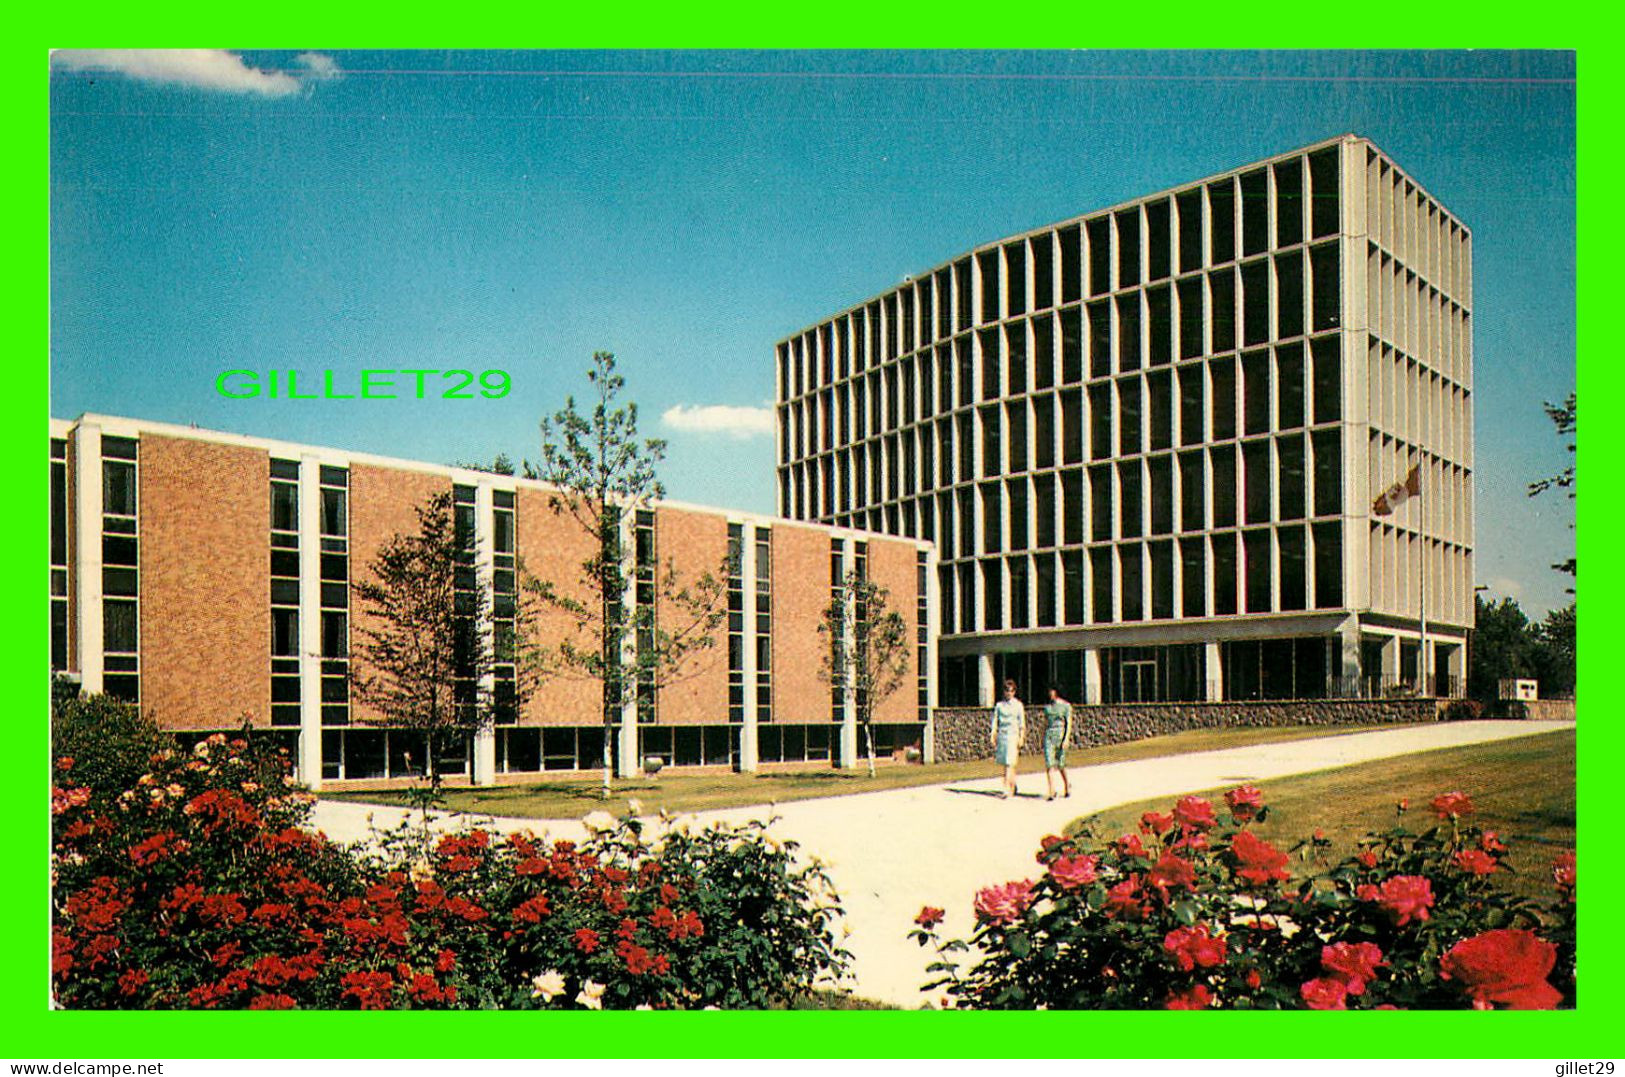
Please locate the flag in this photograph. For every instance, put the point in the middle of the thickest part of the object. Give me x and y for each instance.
(1398, 493)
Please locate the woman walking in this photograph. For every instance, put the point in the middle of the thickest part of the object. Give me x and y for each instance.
(1008, 730)
(1057, 732)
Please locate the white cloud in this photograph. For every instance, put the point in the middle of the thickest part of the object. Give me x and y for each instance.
(1504, 586)
(202, 69)
(733, 421)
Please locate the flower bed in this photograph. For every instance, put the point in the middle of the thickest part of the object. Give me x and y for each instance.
(195, 886)
(1194, 912)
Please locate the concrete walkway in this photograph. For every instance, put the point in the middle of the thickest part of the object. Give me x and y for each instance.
(891, 852)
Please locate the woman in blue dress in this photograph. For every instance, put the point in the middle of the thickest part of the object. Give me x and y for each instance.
(1007, 732)
(1057, 734)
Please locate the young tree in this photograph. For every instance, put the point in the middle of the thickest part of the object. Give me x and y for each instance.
(603, 475)
(1502, 647)
(429, 656)
(867, 649)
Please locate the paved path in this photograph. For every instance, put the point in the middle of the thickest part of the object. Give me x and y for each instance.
(890, 852)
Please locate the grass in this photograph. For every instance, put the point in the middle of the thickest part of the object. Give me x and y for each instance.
(1524, 789)
(570, 798)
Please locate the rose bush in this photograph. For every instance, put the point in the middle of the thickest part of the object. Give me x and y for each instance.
(195, 885)
(1195, 912)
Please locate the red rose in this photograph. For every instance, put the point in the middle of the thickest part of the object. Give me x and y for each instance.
(1245, 802)
(1156, 822)
(586, 940)
(1192, 998)
(1129, 845)
(1490, 842)
(1123, 900)
(1170, 871)
(1563, 873)
(1452, 805)
(1325, 994)
(1075, 871)
(1405, 898)
(1195, 813)
(1368, 857)
(929, 917)
(1004, 904)
(1193, 947)
(1254, 980)
(1505, 967)
(1475, 862)
(1258, 863)
(1354, 964)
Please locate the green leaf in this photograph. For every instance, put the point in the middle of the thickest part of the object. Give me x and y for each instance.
(1185, 911)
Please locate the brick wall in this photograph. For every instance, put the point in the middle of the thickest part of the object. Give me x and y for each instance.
(553, 547)
(693, 544)
(800, 595)
(205, 596)
(962, 732)
(891, 565)
(383, 504)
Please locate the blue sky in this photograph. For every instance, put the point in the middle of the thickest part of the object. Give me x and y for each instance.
(686, 210)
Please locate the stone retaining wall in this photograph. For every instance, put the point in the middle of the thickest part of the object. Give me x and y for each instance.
(962, 732)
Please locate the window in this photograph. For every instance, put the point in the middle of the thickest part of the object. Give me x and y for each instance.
(1222, 371)
(1224, 574)
(1294, 581)
(1193, 578)
(1255, 229)
(1192, 501)
(1257, 548)
(1222, 460)
(1072, 424)
(1255, 372)
(1015, 279)
(1222, 286)
(1255, 302)
(1161, 471)
(1044, 510)
(1221, 198)
(1072, 344)
(1071, 244)
(1043, 272)
(1327, 448)
(1043, 352)
(1323, 192)
(1128, 332)
(1158, 251)
(1159, 321)
(1255, 456)
(1131, 582)
(1128, 248)
(1289, 386)
(1043, 431)
(1327, 299)
(1128, 498)
(1100, 255)
(1162, 579)
(1328, 378)
(1044, 589)
(1289, 457)
(1192, 407)
(1159, 390)
(1189, 206)
(1128, 406)
(1072, 510)
(1100, 503)
(1289, 294)
(1288, 202)
(1015, 346)
(1016, 498)
(1190, 317)
(1328, 565)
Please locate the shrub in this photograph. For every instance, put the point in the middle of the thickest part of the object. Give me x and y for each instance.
(195, 886)
(1192, 912)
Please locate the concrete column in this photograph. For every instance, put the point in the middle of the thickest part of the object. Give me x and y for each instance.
(309, 764)
(986, 691)
(1347, 641)
(748, 568)
(87, 497)
(1214, 661)
(1093, 686)
(483, 767)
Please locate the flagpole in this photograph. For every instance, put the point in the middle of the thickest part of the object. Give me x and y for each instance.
(1422, 573)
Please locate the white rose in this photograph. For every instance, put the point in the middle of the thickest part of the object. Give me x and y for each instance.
(549, 985)
(598, 820)
(592, 995)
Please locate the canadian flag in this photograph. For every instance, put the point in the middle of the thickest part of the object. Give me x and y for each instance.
(1397, 494)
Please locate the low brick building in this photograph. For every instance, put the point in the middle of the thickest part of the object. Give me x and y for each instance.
(207, 577)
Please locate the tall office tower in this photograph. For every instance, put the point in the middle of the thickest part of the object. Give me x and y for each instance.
(1165, 449)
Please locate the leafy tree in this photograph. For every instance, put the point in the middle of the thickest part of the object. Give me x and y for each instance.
(428, 655)
(867, 648)
(1501, 646)
(603, 474)
(1555, 652)
(1564, 417)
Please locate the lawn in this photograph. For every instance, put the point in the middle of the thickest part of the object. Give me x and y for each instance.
(1524, 789)
(570, 798)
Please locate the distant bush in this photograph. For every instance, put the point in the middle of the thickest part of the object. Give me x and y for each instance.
(1191, 913)
(1463, 710)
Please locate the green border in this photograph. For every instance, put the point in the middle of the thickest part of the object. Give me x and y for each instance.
(36, 1032)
